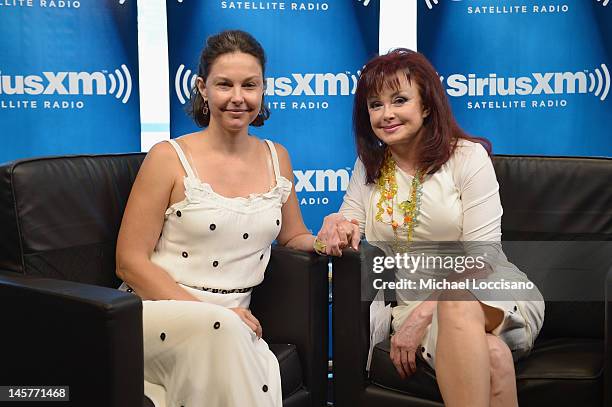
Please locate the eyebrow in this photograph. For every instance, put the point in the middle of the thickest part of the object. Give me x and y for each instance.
(397, 92)
(224, 78)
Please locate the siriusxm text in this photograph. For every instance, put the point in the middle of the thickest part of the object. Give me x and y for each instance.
(311, 84)
(548, 83)
(60, 83)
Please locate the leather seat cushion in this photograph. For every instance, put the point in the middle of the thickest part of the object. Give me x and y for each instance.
(550, 368)
(290, 368)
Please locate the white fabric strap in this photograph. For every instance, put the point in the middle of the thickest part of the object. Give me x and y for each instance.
(274, 159)
(181, 156)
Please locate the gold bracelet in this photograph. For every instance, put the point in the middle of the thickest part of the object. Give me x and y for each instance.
(319, 247)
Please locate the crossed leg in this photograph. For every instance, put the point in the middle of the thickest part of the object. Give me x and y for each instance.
(473, 367)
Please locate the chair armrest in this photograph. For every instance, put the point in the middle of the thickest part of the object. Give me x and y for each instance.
(351, 323)
(608, 341)
(57, 332)
(292, 306)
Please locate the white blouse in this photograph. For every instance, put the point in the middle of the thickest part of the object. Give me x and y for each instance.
(460, 202)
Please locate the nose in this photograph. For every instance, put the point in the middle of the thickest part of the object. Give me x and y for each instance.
(388, 113)
(237, 97)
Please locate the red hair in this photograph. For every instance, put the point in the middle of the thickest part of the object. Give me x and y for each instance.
(441, 131)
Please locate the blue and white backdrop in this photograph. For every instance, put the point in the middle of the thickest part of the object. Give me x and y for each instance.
(68, 77)
(532, 76)
(315, 50)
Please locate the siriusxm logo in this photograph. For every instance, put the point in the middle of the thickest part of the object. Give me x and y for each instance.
(312, 84)
(118, 83)
(309, 84)
(548, 83)
(321, 180)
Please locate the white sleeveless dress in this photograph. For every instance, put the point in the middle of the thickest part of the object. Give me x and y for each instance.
(202, 353)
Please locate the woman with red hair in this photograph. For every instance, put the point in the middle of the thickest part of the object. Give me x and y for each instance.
(420, 178)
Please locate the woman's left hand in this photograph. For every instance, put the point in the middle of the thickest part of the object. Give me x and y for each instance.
(338, 233)
(406, 342)
(249, 319)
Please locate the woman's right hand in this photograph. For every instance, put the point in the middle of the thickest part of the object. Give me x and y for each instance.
(338, 233)
(249, 319)
(406, 343)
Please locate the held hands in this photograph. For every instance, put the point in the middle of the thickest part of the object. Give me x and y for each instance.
(406, 342)
(249, 319)
(337, 233)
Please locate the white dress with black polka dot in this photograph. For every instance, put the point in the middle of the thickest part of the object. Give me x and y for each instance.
(202, 353)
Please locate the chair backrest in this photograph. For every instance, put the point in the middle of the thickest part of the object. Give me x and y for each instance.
(561, 199)
(60, 216)
(555, 198)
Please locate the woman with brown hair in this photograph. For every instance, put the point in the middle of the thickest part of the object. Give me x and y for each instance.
(196, 234)
(420, 178)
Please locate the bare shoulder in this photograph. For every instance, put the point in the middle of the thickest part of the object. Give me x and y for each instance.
(284, 161)
(161, 161)
(283, 154)
(160, 152)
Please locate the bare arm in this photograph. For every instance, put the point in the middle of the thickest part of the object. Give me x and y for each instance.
(293, 232)
(141, 226)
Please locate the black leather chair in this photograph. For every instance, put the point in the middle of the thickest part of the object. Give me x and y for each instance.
(63, 323)
(544, 199)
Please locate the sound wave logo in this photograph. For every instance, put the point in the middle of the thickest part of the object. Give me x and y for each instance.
(184, 81)
(548, 83)
(70, 83)
(122, 85)
(605, 2)
(429, 3)
(601, 81)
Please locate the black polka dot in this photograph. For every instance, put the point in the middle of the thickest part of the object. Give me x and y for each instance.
(162, 336)
(245, 236)
(265, 388)
(515, 308)
(215, 263)
(179, 214)
(423, 349)
(277, 222)
(185, 255)
(261, 257)
(212, 226)
(217, 325)
(429, 355)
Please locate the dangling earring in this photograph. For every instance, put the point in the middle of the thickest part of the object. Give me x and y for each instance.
(381, 144)
(205, 108)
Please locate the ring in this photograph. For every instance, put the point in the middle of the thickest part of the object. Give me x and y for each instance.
(319, 247)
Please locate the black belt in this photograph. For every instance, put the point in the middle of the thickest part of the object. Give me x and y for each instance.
(211, 290)
(222, 290)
